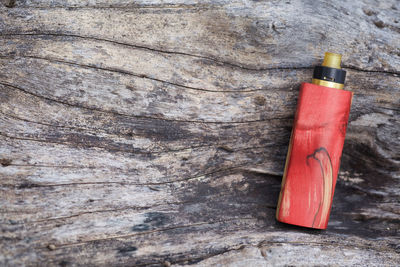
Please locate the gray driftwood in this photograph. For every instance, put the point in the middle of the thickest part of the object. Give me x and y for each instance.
(155, 132)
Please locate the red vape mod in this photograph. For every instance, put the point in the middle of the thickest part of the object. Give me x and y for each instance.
(315, 148)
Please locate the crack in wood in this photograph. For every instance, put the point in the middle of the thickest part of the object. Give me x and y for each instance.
(97, 130)
(129, 151)
(136, 116)
(235, 65)
(222, 171)
(143, 76)
(125, 7)
(230, 64)
(74, 244)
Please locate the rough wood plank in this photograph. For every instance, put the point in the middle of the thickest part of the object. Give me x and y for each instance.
(155, 132)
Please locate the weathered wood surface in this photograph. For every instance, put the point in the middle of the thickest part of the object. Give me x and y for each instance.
(155, 132)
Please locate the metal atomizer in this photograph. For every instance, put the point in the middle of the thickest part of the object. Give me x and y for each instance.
(315, 148)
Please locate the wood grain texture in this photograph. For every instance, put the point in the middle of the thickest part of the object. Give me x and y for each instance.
(155, 132)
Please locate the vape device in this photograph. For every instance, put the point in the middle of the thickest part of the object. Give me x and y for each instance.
(315, 148)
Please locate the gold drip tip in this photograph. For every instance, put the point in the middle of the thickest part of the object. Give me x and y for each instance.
(330, 74)
(332, 60)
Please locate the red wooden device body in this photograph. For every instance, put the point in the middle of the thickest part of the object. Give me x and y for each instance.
(314, 154)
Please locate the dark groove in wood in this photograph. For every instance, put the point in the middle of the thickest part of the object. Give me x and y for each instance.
(149, 232)
(142, 76)
(230, 64)
(135, 116)
(235, 65)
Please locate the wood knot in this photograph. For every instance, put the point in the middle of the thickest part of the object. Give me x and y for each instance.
(5, 162)
(9, 3)
(226, 148)
(260, 100)
(369, 12)
(51, 247)
(380, 24)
